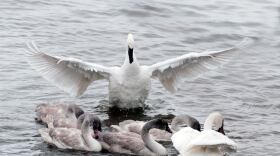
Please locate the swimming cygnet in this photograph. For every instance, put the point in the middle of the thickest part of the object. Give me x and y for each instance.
(132, 143)
(58, 111)
(72, 119)
(72, 138)
(177, 123)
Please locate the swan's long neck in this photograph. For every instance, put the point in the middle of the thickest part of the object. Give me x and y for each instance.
(130, 59)
(151, 143)
(208, 125)
(80, 121)
(214, 121)
(71, 116)
(93, 145)
(130, 67)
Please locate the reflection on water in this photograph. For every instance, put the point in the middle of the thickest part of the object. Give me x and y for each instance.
(116, 115)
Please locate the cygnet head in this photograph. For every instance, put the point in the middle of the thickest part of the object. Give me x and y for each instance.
(130, 47)
(181, 121)
(215, 121)
(93, 121)
(156, 123)
(72, 108)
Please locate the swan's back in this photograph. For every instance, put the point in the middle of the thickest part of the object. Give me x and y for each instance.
(183, 137)
(160, 135)
(213, 139)
(190, 142)
(64, 138)
(65, 122)
(125, 142)
(68, 138)
(42, 110)
(132, 126)
(136, 127)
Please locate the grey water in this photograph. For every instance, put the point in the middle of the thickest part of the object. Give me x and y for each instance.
(246, 90)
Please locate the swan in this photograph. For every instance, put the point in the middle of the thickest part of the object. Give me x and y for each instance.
(72, 138)
(70, 121)
(62, 113)
(177, 123)
(211, 141)
(132, 143)
(129, 84)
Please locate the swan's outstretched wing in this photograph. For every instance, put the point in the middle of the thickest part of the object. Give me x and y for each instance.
(69, 74)
(191, 65)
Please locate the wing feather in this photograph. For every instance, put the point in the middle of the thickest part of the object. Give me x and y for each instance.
(69, 74)
(191, 65)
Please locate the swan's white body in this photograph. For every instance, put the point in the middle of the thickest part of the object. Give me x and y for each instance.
(190, 142)
(129, 84)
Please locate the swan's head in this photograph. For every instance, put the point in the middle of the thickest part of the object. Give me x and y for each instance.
(156, 123)
(72, 108)
(130, 41)
(92, 121)
(215, 121)
(181, 121)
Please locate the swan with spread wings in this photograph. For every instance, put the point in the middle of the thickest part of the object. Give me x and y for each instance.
(129, 84)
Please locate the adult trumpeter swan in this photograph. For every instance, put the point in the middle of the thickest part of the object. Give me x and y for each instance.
(129, 84)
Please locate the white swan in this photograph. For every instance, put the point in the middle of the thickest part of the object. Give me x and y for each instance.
(177, 123)
(72, 138)
(211, 141)
(132, 143)
(129, 85)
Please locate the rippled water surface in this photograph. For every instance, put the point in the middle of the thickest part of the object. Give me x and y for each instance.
(246, 90)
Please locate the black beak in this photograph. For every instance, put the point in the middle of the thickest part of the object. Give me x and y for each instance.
(168, 129)
(221, 130)
(99, 129)
(96, 134)
(79, 113)
(130, 54)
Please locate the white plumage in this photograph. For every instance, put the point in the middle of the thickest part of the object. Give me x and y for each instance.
(129, 84)
(190, 142)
